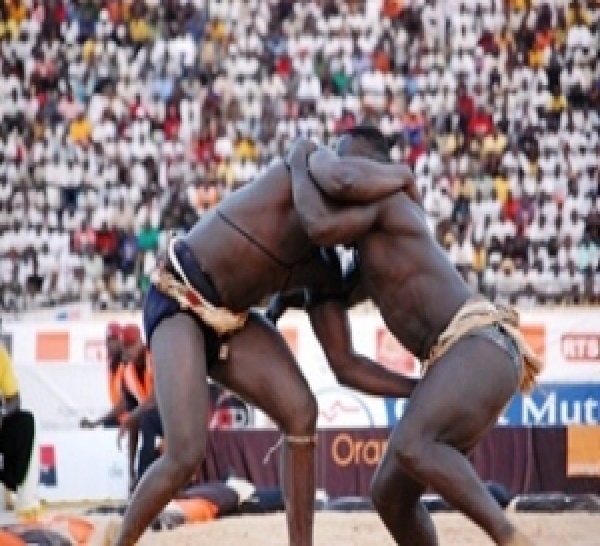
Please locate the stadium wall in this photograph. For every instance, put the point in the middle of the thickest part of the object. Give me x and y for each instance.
(547, 441)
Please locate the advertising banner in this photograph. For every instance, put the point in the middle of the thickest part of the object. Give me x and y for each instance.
(550, 404)
(61, 366)
(82, 466)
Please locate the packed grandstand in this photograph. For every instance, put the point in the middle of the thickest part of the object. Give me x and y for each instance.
(123, 120)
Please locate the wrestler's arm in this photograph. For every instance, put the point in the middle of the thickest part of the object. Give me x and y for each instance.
(330, 324)
(325, 222)
(357, 179)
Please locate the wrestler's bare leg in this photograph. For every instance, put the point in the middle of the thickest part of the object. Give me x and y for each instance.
(262, 370)
(457, 401)
(181, 389)
(396, 497)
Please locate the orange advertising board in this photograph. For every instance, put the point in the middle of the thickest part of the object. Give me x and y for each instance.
(583, 450)
(535, 335)
(52, 347)
(392, 354)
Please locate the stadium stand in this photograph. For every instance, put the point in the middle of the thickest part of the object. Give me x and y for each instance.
(121, 121)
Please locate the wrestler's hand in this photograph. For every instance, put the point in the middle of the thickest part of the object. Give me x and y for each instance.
(300, 150)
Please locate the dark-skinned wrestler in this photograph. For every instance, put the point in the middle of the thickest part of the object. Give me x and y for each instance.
(252, 245)
(419, 294)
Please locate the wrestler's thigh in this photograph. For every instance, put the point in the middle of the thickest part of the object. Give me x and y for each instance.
(261, 369)
(461, 396)
(180, 381)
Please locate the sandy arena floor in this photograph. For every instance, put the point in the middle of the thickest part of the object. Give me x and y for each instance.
(364, 529)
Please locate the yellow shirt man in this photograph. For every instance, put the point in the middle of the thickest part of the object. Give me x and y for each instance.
(8, 381)
(501, 185)
(80, 130)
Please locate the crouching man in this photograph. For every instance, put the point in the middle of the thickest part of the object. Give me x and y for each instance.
(19, 464)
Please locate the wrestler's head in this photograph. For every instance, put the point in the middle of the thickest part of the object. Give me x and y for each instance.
(365, 141)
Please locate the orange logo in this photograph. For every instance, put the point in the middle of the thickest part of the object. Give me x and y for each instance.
(580, 347)
(583, 451)
(535, 335)
(392, 354)
(347, 450)
(52, 346)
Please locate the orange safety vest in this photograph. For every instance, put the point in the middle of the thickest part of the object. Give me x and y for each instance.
(115, 378)
(141, 390)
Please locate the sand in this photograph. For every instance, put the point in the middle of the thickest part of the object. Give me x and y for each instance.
(364, 529)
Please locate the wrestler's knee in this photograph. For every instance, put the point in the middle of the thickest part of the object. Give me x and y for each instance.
(408, 447)
(183, 459)
(300, 414)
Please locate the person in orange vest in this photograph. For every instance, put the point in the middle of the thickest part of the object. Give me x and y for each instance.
(115, 369)
(143, 418)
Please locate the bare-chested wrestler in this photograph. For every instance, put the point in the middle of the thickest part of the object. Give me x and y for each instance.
(197, 324)
(475, 358)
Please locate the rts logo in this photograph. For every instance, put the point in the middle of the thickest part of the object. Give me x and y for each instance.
(581, 347)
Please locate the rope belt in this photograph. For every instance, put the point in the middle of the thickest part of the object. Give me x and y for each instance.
(477, 313)
(221, 320)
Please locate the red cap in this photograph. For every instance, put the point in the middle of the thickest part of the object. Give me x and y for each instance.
(131, 334)
(113, 330)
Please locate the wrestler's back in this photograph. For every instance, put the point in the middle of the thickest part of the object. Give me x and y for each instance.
(243, 272)
(409, 276)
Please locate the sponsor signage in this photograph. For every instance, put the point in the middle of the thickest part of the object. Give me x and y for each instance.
(348, 449)
(583, 451)
(556, 404)
(391, 353)
(343, 408)
(94, 351)
(580, 347)
(550, 404)
(48, 466)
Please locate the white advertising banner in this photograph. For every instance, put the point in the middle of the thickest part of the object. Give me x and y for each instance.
(82, 466)
(61, 364)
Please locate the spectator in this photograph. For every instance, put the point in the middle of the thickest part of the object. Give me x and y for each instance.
(103, 102)
(20, 467)
(138, 391)
(115, 367)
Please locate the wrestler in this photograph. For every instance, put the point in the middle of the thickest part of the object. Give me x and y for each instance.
(198, 324)
(475, 359)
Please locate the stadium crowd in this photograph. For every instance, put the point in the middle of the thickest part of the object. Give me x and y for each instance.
(121, 121)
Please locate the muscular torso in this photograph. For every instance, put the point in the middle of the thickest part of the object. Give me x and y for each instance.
(408, 276)
(276, 256)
